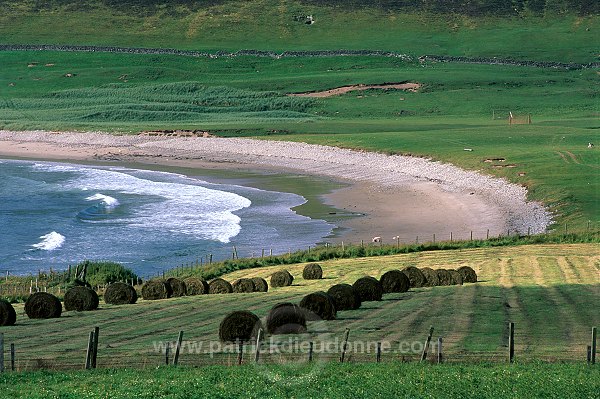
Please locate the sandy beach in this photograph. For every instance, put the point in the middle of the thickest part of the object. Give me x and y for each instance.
(391, 195)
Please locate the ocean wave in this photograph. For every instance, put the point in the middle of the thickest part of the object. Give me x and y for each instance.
(109, 202)
(50, 241)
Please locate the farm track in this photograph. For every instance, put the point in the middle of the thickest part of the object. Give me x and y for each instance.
(295, 54)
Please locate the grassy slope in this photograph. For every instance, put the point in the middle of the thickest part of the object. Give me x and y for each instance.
(334, 381)
(528, 285)
(269, 24)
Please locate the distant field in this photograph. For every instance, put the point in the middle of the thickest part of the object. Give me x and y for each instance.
(547, 290)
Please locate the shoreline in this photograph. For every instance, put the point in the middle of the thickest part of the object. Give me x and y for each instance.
(398, 196)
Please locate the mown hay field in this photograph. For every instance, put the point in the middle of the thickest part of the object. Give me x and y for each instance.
(548, 291)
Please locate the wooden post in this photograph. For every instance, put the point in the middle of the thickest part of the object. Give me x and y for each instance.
(487, 234)
(95, 348)
(529, 231)
(593, 357)
(1, 352)
(167, 353)
(451, 237)
(427, 343)
(589, 354)
(417, 241)
(210, 259)
(258, 339)
(378, 355)
(271, 252)
(362, 243)
(511, 342)
(240, 352)
(12, 357)
(90, 348)
(434, 238)
(262, 255)
(398, 241)
(343, 356)
(439, 351)
(471, 235)
(178, 348)
(310, 351)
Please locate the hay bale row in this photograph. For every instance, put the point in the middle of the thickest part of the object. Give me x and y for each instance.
(415, 276)
(120, 294)
(43, 305)
(219, 286)
(8, 316)
(394, 281)
(319, 306)
(260, 284)
(281, 278)
(177, 287)
(468, 274)
(195, 286)
(156, 289)
(243, 285)
(368, 289)
(239, 326)
(312, 271)
(81, 299)
(344, 297)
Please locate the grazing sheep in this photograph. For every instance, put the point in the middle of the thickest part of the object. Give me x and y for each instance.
(590, 145)
(376, 239)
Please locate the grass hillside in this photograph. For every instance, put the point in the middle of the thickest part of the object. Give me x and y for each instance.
(273, 25)
(545, 289)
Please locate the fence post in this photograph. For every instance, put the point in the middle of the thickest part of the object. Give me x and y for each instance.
(310, 351)
(589, 354)
(487, 234)
(178, 348)
(167, 353)
(240, 351)
(439, 351)
(95, 348)
(12, 357)
(1, 352)
(345, 345)
(471, 235)
(90, 349)
(258, 338)
(434, 238)
(593, 357)
(511, 342)
(451, 237)
(427, 342)
(378, 355)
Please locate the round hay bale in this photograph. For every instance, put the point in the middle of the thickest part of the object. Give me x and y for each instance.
(312, 271)
(444, 277)
(394, 281)
(286, 318)
(344, 297)
(243, 285)
(156, 289)
(457, 278)
(468, 274)
(8, 316)
(239, 326)
(320, 306)
(368, 288)
(431, 277)
(120, 294)
(81, 299)
(281, 278)
(260, 284)
(43, 305)
(415, 276)
(219, 286)
(195, 286)
(177, 286)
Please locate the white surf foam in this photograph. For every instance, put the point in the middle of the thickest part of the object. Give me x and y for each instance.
(50, 241)
(109, 201)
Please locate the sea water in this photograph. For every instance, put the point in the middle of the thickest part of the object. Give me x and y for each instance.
(53, 215)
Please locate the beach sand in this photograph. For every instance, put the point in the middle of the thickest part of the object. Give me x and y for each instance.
(383, 196)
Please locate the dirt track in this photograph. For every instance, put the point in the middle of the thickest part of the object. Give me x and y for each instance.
(345, 89)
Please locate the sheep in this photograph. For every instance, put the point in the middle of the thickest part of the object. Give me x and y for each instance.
(590, 145)
(376, 239)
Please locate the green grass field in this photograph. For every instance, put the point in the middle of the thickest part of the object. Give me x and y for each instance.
(391, 380)
(547, 290)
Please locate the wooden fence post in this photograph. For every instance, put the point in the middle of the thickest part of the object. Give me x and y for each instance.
(487, 234)
(90, 348)
(310, 351)
(95, 348)
(593, 357)
(434, 238)
(258, 338)
(439, 351)
(451, 239)
(589, 354)
(378, 355)
(1, 352)
(240, 352)
(427, 343)
(343, 356)
(511, 342)
(178, 348)
(167, 353)
(12, 357)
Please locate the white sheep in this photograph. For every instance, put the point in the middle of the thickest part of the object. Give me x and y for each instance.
(376, 239)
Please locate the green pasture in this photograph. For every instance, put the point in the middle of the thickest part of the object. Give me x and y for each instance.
(395, 380)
